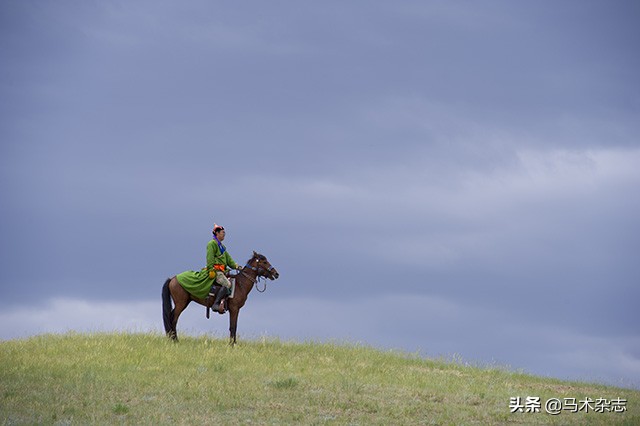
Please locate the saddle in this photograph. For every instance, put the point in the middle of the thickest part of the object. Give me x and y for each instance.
(215, 288)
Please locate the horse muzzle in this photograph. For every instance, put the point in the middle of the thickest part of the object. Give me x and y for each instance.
(274, 274)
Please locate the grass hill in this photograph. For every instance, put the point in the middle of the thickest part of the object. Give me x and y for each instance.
(146, 379)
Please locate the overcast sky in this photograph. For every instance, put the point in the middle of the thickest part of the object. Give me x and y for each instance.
(457, 179)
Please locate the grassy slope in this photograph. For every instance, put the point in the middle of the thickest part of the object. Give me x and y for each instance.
(143, 378)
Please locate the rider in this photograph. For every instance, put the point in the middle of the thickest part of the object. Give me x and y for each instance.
(218, 260)
(198, 283)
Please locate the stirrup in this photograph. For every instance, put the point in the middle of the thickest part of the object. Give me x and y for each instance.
(210, 296)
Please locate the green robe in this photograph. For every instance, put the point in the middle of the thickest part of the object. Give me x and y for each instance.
(198, 283)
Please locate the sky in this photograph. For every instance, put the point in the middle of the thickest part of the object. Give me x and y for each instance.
(453, 179)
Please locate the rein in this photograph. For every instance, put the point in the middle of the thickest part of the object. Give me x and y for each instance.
(265, 285)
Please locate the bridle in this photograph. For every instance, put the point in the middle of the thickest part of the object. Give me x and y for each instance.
(256, 280)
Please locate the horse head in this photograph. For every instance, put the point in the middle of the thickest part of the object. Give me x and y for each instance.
(263, 267)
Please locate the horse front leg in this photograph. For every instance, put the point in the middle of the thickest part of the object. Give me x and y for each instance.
(233, 325)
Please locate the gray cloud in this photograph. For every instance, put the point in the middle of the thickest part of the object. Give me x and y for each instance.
(481, 161)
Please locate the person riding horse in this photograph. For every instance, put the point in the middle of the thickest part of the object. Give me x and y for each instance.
(199, 283)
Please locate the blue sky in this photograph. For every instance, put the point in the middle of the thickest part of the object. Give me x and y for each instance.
(458, 179)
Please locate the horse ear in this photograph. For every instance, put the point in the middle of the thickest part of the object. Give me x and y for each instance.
(254, 253)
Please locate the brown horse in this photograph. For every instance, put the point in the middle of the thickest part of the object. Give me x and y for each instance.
(257, 266)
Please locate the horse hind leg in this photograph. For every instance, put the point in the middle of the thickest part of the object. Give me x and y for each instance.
(176, 314)
(181, 299)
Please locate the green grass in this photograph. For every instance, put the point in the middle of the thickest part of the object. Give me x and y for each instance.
(146, 379)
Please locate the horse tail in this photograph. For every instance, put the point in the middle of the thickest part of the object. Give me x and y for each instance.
(167, 315)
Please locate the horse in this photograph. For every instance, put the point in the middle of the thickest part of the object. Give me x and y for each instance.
(256, 267)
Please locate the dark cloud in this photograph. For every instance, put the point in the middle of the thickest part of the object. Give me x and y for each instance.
(480, 160)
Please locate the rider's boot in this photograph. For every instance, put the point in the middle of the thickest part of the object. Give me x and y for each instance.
(221, 294)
